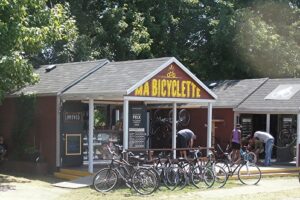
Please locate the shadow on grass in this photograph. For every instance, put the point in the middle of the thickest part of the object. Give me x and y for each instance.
(8, 180)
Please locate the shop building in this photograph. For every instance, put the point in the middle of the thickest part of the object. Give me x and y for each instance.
(81, 107)
(270, 105)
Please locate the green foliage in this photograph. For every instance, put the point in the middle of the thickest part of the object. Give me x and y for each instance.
(230, 39)
(217, 39)
(25, 108)
(267, 39)
(99, 117)
(30, 31)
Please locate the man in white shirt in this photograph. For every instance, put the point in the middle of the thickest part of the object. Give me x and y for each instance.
(268, 139)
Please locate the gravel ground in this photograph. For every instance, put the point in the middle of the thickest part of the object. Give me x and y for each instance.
(16, 188)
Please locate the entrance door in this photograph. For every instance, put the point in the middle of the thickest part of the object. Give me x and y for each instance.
(73, 122)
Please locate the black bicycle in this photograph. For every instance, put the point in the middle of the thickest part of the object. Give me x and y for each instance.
(141, 179)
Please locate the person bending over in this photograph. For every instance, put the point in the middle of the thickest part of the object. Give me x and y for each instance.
(185, 139)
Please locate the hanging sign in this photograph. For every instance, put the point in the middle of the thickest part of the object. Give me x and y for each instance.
(171, 82)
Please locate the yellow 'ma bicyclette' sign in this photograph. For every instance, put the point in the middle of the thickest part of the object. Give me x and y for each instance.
(171, 82)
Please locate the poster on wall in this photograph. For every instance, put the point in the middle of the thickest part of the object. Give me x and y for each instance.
(137, 126)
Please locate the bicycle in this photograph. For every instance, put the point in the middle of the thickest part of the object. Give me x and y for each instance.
(220, 174)
(142, 180)
(166, 172)
(247, 172)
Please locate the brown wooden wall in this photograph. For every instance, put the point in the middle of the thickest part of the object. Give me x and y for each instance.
(223, 128)
(43, 132)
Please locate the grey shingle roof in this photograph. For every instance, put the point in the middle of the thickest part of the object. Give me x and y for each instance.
(60, 77)
(257, 103)
(232, 92)
(114, 79)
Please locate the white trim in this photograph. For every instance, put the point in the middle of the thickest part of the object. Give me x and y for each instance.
(279, 112)
(169, 100)
(91, 134)
(125, 123)
(58, 163)
(268, 122)
(174, 131)
(235, 122)
(160, 68)
(298, 140)
(209, 126)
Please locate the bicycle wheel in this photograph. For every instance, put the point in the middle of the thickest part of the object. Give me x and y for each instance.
(175, 178)
(202, 176)
(144, 181)
(286, 138)
(249, 174)
(220, 175)
(105, 180)
(184, 117)
(225, 166)
(158, 176)
(251, 157)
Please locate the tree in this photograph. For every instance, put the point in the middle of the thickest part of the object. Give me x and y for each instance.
(217, 39)
(268, 38)
(29, 32)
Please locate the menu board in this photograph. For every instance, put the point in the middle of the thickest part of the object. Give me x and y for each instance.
(246, 126)
(73, 144)
(137, 126)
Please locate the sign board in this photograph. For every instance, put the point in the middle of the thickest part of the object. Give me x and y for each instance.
(172, 82)
(73, 144)
(73, 116)
(137, 126)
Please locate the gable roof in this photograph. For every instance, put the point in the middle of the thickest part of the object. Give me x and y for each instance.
(61, 77)
(257, 102)
(113, 79)
(116, 79)
(232, 92)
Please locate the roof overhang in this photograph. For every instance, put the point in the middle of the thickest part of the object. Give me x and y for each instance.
(266, 110)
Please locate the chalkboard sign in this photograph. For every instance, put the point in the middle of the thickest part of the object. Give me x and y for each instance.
(137, 126)
(73, 144)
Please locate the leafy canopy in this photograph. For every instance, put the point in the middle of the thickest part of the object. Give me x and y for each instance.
(27, 29)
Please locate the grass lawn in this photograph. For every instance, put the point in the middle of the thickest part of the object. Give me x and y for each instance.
(20, 186)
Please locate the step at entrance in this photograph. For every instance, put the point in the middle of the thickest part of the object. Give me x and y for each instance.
(71, 174)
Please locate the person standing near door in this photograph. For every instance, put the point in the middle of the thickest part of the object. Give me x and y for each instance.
(268, 139)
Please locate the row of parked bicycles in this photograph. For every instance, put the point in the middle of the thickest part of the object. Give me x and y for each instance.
(146, 176)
